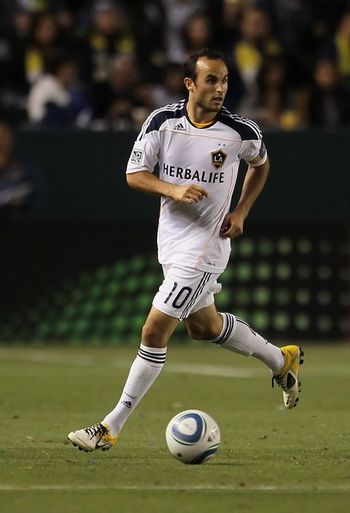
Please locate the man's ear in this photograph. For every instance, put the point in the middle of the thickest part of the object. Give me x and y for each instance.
(189, 84)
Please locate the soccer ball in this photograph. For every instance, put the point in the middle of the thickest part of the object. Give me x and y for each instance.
(192, 436)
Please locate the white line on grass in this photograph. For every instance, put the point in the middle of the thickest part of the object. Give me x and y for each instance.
(341, 370)
(212, 370)
(123, 363)
(230, 488)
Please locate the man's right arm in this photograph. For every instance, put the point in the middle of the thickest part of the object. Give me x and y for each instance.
(145, 181)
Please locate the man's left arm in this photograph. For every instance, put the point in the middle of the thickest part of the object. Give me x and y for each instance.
(253, 184)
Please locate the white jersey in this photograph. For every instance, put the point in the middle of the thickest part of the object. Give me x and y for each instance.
(189, 235)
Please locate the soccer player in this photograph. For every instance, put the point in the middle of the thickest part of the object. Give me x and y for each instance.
(197, 144)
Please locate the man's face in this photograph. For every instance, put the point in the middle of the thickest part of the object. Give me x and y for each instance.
(210, 88)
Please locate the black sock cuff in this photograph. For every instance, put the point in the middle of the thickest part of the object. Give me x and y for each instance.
(149, 355)
(227, 328)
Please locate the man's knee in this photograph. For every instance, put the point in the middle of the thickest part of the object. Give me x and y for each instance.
(157, 331)
(152, 335)
(158, 328)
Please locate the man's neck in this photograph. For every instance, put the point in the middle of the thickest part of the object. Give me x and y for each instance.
(198, 115)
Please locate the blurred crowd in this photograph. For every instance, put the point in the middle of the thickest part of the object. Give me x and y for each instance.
(108, 63)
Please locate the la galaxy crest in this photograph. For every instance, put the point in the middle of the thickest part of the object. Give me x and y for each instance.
(218, 158)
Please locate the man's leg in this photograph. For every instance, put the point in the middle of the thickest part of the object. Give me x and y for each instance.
(236, 335)
(145, 369)
(233, 334)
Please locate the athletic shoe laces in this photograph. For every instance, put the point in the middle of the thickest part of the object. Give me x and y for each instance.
(95, 430)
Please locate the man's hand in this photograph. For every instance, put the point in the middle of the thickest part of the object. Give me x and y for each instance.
(188, 193)
(253, 184)
(232, 226)
(147, 182)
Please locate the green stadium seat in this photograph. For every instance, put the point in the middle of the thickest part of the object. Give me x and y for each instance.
(283, 271)
(262, 296)
(263, 271)
(324, 297)
(304, 246)
(281, 321)
(137, 264)
(302, 321)
(102, 274)
(243, 271)
(224, 298)
(271, 273)
(260, 320)
(245, 247)
(242, 296)
(303, 297)
(265, 247)
(284, 246)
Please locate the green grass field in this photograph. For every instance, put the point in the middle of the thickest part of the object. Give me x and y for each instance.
(269, 460)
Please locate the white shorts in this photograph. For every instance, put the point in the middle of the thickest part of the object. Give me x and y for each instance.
(185, 291)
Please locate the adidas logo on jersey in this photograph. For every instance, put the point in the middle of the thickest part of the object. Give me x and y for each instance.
(179, 127)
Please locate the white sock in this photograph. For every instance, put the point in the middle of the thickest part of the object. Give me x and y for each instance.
(236, 335)
(143, 372)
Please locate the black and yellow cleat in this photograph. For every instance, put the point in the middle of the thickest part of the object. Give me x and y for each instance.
(288, 378)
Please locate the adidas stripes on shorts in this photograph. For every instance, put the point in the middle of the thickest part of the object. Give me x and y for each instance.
(185, 291)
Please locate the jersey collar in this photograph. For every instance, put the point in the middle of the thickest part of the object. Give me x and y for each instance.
(200, 126)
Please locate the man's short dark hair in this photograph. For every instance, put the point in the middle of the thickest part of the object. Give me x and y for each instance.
(190, 70)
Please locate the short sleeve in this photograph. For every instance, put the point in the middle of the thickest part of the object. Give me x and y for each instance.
(145, 153)
(254, 152)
